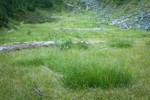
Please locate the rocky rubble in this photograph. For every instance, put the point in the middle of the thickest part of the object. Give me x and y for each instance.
(138, 21)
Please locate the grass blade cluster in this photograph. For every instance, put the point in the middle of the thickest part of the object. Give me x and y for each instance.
(104, 77)
(124, 43)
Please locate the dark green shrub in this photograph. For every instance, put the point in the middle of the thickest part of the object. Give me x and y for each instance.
(3, 14)
(3, 19)
(9, 7)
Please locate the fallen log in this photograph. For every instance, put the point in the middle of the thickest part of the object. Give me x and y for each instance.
(22, 45)
(80, 29)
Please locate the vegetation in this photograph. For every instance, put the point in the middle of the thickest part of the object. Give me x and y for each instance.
(66, 45)
(121, 43)
(12, 9)
(82, 45)
(90, 75)
(8, 8)
(97, 72)
(115, 67)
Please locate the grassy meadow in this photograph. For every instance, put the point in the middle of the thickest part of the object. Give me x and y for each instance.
(117, 68)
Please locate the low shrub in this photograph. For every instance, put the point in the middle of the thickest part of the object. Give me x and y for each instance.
(68, 44)
(104, 77)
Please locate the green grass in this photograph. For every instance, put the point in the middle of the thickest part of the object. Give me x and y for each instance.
(66, 45)
(124, 43)
(148, 43)
(80, 76)
(82, 45)
(59, 64)
(92, 72)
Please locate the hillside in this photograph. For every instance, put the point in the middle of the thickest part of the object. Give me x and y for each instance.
(123, 13)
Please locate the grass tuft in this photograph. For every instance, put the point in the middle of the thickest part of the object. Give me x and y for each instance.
(148, 43)
(104, 77)
(82, 45)
(66, 45)
(52, 36)
(121, 43)
(30, 61)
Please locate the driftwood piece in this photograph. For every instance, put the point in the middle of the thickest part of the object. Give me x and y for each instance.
(21, 45)
(80, 29)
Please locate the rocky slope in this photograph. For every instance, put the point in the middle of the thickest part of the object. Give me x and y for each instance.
(138, 20)
(134, 14)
